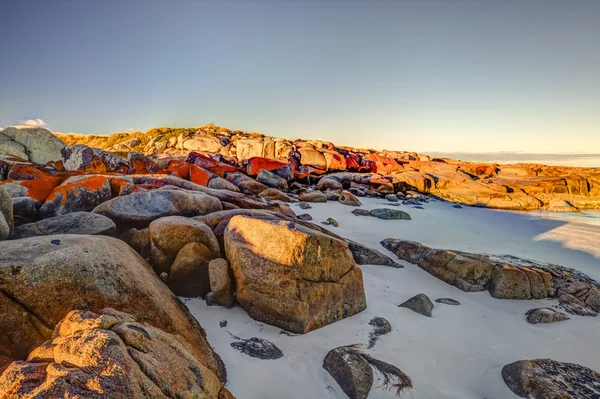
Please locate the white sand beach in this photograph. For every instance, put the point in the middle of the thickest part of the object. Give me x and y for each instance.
(457, 353)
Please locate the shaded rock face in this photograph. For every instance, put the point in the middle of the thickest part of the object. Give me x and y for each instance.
(544, 315)
(351, 371)
(272, 180)
(419, 304)
(222, 286)
(367, 256)
(86, 223)
(291, 276)
(511, 282)
(551, 379)
(141, 208)
(110, 354)
(313, 196)
(40, 145)
(448, 301)
(44, 278)
(6, 210)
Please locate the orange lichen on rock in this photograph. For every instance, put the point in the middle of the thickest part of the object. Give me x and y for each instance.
(256, 164)
(25, 172)
(179, 168)
(38, 189)
(222, 169)
(201, 160)
(92, 183)
(200, 176)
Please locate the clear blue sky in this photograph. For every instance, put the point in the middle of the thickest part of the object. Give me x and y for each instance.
(417, 75)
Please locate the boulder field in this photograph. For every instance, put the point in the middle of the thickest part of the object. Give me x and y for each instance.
(218, 158)
(99, 236)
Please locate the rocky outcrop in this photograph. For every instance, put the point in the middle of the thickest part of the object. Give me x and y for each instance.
(504, 276)
(38, 144)
(544, 315)
(551, 379)
(291, 276)
(111, 354)
(6, 214)
(44, 278)
(469, 272)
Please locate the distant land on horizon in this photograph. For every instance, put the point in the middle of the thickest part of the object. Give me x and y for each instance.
(504, 157)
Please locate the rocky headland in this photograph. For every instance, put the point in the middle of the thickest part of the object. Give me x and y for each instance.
(100, 236)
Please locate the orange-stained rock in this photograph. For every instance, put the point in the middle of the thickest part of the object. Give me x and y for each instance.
(77, 194)
(222, 169)
(256, 164)
(57, 165)
(309, 170)
(111, 354)
(201, 160)
(38, 189)
(335, 160)
(353, 163)
(179, 168)
(199, 175)
(122, 187)
(25, 172)
(142, 164)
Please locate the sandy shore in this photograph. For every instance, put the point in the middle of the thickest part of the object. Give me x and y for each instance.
(457, 353)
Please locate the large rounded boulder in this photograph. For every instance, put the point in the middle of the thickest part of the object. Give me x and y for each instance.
(292, 276)
(44, 278)
(141, 208)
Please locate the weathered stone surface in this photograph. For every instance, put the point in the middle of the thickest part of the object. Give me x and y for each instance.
(551, 379)
(170, 234)
(4, 229)
(275, 194)
(77, 194)
(361, 212)
(510, 282)
(329, 184)
(364, 255)
(291, 276)
(110, 354)
(73, 223)
(222, 285)
(390, 214)
(351, 371)
(44, 278)
(312, 196)
(188, 275)
(272, 180)
(6, 209)
(40, 144)
(25, 209)
(419, 304)
(347, 198)
(544, 315)
(141, 208)
(380, 327)
(258, 347)
(304, 216)
(410, 251)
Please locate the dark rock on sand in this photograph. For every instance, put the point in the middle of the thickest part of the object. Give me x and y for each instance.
(419, 304)
(389, 214)
(258, 347)
(551, 379)
(544, 315)
(381, 327)
(448, 301)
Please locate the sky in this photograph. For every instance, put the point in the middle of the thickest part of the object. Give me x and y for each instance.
(446, 76)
